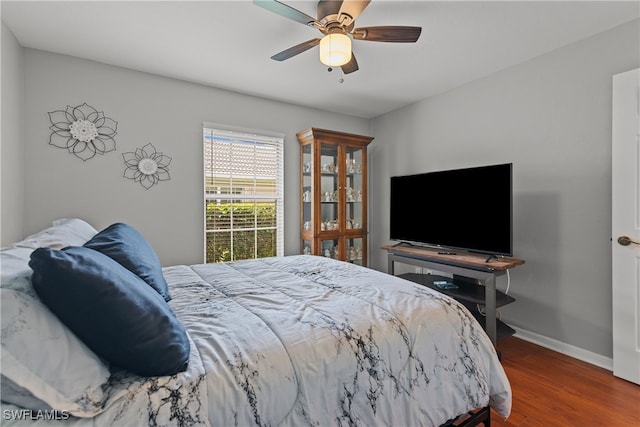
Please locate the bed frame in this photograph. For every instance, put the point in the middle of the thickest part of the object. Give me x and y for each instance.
(472, 418)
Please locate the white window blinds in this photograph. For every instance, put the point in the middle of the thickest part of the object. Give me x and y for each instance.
(244, 194)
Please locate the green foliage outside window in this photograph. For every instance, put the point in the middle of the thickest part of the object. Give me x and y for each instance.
(238, 231)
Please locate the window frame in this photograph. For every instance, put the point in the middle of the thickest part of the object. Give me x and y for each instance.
(255, 136)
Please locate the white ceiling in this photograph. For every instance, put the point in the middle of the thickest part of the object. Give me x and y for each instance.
(228, 44)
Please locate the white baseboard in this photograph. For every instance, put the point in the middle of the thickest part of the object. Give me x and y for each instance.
(564, 348)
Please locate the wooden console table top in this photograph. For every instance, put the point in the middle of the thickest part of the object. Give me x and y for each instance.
(475, 261)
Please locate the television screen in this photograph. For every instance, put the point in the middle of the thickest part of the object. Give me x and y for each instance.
(467, 209)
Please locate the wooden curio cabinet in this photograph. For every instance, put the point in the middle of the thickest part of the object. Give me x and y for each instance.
(333, 199)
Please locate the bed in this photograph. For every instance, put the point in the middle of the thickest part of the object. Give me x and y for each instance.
(298, 340)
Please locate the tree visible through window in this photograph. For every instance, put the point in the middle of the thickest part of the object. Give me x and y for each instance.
(244, 194)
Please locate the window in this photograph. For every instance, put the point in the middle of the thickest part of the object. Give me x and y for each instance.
(243, 194)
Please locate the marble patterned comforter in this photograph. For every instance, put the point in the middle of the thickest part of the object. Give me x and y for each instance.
(309, 341)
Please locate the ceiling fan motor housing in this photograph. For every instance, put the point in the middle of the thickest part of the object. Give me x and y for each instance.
(334, 21)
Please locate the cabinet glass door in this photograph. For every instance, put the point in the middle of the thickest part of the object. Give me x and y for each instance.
(329, 196)
(354, 188)
(307, 187)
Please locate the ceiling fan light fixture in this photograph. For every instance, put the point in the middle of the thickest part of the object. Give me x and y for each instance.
(335, 49)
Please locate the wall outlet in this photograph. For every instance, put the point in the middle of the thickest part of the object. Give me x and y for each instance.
(419, 270)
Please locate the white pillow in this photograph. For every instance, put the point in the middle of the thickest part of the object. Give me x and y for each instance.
(44, 365)
(64, 232)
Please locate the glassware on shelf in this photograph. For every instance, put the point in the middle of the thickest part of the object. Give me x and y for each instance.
(306, 196)
(355, 254)
(353, 195)
(329, 225)
(329, 168)
(330, 196)
(353, 167)
(330, 250)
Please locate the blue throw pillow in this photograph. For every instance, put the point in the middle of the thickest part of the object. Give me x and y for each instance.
(111, 310)
(129, 248)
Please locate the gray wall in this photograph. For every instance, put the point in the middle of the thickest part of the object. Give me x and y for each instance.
(551, 117)
(11, 141)
(165, 112)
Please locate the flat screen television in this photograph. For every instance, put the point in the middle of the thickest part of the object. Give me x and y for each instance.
(469, 209)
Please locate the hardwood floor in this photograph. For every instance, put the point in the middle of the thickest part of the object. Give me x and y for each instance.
(551, 389)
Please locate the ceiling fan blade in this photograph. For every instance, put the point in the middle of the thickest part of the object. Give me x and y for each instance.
(350, 66)
(394, 34)
(288, 12)
(353, 9)
(293, 51)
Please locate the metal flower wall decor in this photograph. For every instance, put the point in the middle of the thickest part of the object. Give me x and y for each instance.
(147, 166)
(83, 131)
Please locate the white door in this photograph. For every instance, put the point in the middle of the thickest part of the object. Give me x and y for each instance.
(626, 225)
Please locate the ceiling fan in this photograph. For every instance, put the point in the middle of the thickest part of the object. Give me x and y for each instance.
(336, 21)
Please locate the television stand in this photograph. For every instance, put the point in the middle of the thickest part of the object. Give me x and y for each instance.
(467, 269)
